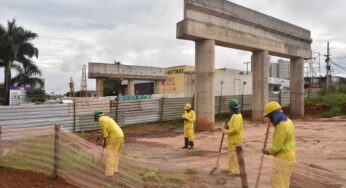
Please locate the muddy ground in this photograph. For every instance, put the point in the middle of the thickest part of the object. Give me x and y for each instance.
(320, 145)
(321, 155)
(11, 178)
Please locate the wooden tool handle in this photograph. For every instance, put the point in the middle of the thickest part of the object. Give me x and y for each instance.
(223, 135)
(266, 139)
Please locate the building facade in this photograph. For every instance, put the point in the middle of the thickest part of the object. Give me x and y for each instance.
(280, 69)
(180, 82)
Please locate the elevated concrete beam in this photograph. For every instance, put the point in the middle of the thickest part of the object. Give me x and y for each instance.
(195, 30)
(260, 73)
(205, 100)
(111, 71)
(297, 88)
(234, 26)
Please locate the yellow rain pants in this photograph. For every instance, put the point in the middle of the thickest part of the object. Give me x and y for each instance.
(233, 165)
(281, 173)
(113, 148)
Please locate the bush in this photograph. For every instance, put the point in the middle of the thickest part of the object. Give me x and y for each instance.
(36, 95)
(332, 112)
(333, 102)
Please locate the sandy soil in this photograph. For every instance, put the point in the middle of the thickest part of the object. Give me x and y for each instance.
(320, 144)
(321, 154)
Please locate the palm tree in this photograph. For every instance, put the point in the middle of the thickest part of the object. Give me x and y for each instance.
(26, 73)
(15, 47)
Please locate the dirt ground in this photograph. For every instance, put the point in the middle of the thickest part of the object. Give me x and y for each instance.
(10, 179)
(320, 145)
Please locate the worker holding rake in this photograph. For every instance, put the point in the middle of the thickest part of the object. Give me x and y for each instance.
(189, 119)
(113, 141)
(283, 145)
(234, 131)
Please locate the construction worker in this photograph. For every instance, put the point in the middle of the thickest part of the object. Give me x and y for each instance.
(113, 141)
(234, 132)
(283, 145)
(189, 118)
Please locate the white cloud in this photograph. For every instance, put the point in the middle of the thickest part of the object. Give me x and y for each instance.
(142, 32)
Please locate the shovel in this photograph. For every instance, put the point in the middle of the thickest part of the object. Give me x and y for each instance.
(218, 157)
(262, 157)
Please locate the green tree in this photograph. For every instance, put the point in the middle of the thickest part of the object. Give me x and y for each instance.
(26, 75)
(15, 46)
(111, 87)
(36, 95)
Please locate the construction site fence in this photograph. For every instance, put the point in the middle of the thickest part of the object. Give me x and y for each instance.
(78, 115)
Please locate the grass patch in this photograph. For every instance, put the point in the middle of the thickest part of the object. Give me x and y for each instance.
(332, 101)
(191, 171)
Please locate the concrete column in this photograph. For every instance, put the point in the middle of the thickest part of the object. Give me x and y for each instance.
(99, 87)
(157, 87)
(205, 100)
(297, 88)
(260, 89)
(131, 87)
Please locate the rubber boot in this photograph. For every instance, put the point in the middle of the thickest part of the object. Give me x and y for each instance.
(191, 145)
(186, 143)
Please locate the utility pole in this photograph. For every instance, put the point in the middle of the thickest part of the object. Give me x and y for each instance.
(247, 67)
(328, 75)
(83, 84)
(71, 84)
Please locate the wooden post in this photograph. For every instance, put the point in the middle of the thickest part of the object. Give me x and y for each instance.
(241, 163)
(74, 114)
(0, 132)
(56, 151)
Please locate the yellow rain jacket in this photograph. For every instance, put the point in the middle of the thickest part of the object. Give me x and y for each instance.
(114, 143)
(235, 137)
(188, 125)
(283, 149)
(283, 144)
(110, 129)
(235, 130)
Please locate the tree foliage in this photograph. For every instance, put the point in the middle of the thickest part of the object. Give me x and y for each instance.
(15, 47)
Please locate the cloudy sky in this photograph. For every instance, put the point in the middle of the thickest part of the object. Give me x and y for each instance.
(142, 32)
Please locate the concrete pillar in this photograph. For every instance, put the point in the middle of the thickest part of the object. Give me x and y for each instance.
(205, 100)
(157, 87)
(99, 87)
(131, 87)
(297, 88)
(260, 74)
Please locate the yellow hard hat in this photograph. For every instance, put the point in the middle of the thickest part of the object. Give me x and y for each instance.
(271, 107)
(187, 106)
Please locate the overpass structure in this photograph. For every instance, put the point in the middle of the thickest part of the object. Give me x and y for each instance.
(220, 22)
(102, 71)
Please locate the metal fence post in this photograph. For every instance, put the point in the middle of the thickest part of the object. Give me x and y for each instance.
(0, 131)
(116, 109)
(241, 163)
(280, 100)
(74, 114)
(220, 104)
(56, 151)
(193, 101)
(161, 107)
